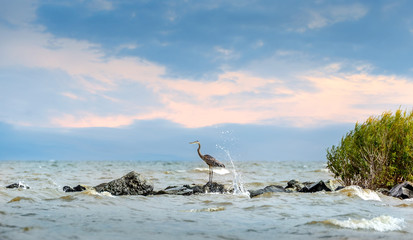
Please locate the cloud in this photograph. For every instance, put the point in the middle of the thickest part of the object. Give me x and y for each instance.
(323, 17)
(72, 96)
(225, 54)
(86, 120)
(111, 91)
(101, 5)
(18, 13)
(337, 97)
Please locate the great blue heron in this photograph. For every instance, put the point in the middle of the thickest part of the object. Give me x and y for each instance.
(208, 159)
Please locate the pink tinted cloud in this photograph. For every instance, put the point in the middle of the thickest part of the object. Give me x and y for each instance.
(234, 97)
(335, 98)
(84, 120)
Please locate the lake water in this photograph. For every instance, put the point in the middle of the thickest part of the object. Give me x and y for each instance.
(46, 212)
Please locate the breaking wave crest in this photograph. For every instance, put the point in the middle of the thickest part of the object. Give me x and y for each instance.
(381, 223)
(93, 192)
(219, 171)
(213, 209)
(365, 194)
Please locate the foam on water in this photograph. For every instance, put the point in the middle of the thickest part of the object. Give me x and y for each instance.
(23, 185)
(212, 209)
(219, 171)
(365, 194)
(93, 192)
(382, 223)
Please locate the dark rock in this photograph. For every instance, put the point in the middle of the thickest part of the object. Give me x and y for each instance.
(402, 190)
(340, 187)
(18, 185)
(78, 188)
(383, 191)
(197, 188)
(271, 188)
(334, 185)
(181, 190)
(213, 187)
(316, 187)
(193, 189)
(131, 184)
(294, 186)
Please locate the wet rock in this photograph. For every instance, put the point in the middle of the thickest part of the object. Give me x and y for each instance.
(334, 185)
(294, 186)
(181, 190)
(316, 187)
(78, 188)
(213, 187)
(271, 188)
(18, 185)
(131, 184)
(341, 187)
(383, 191)
(193, 189)
(402, 190)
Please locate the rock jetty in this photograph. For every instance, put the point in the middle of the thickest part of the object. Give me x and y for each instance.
(296, 186)
(134, 183)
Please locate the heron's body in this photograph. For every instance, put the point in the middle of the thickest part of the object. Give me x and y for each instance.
(209, 160)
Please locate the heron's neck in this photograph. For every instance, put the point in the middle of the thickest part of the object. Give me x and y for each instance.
(199, 151)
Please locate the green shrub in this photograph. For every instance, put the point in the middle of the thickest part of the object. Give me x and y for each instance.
(377, 153)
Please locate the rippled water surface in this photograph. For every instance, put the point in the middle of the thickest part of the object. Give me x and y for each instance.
(46, 212)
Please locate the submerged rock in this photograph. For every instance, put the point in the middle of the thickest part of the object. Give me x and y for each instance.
(131, 184)
(271, 188)
(296, 186)
(181, 190)
(193, 189)
(402, 190)
(78, 188)
(18, 185)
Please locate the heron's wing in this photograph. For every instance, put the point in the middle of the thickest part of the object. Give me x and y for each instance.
(211, 161)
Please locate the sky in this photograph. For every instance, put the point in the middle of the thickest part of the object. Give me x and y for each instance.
(138, 80)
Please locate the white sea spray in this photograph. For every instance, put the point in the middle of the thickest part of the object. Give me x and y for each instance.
(382, 223)
(365, 194)
(219, 171)
(211, 209)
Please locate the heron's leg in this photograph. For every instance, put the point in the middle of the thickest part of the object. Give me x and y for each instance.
(210, 175)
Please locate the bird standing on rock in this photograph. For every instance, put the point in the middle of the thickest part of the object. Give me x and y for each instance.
(208, 159)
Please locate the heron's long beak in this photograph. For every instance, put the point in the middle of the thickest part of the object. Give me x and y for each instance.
(194, 142)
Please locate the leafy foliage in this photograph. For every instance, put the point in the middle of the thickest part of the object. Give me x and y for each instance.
(377, 153)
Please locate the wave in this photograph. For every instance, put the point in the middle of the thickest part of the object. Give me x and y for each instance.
(213, 209)
(93, 192)
(365, 194)
(18, 199)
(219, 171)
(382, 223)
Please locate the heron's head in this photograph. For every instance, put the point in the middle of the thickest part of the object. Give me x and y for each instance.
(194, 142)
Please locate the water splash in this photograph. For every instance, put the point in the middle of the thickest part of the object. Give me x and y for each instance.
(365, 194)
(381, 224)
(237, 182)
